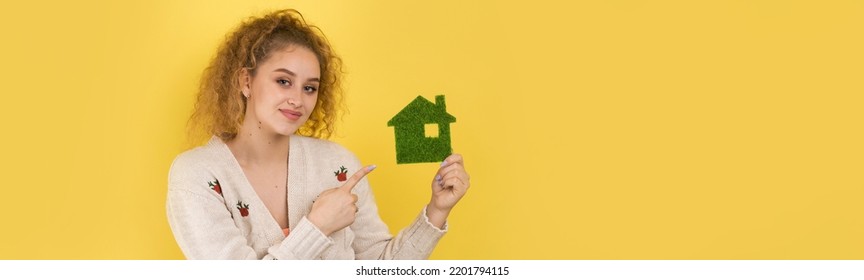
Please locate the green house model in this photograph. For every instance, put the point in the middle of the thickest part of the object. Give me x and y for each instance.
(422, 131)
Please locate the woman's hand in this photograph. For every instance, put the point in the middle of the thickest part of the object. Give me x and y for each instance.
(448, 187)
(336, 208)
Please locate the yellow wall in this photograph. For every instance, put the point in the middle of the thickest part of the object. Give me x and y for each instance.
(594, 130)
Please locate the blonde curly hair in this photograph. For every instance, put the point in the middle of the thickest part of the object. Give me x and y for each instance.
(221, 107)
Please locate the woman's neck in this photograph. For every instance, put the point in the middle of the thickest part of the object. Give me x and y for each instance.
(256, 146)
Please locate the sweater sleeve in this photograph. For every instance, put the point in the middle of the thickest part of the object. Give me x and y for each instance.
(204, 227)
(372, 239)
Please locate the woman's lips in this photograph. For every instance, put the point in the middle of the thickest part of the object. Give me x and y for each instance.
(290, 114)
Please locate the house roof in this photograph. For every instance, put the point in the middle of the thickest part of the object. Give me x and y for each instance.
(423, 111)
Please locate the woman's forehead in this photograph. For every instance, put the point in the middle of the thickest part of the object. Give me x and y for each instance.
(299, 61)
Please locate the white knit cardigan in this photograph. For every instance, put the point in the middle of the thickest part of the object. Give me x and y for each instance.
(215, 213)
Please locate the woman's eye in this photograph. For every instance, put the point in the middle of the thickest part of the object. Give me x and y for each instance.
(283, 82)
(310, 89)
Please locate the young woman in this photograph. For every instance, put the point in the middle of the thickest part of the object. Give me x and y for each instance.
(266, 185)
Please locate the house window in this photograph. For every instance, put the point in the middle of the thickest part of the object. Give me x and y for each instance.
(431, 130)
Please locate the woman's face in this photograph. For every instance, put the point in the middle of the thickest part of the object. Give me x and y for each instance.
(284, 90)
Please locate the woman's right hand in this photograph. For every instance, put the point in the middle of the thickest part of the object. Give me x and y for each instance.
(336, 208)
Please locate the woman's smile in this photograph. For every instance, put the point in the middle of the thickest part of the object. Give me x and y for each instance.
(291, 114)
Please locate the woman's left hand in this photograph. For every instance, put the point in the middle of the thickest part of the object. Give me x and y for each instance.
(448, 187)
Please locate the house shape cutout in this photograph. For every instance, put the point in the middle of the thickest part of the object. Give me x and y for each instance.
(413, 143)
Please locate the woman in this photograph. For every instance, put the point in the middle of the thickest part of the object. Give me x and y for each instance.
(266, 186)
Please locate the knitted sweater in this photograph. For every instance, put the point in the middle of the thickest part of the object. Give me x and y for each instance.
(215, 213)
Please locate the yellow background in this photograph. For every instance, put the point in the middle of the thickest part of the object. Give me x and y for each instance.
(592, 130)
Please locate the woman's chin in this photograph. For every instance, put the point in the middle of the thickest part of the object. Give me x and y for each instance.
(287, 131)
(286, 128)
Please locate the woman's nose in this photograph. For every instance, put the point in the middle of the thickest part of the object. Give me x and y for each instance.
(293, 97)
(293, 102)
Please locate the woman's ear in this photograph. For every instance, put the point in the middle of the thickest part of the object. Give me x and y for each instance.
(245, 80)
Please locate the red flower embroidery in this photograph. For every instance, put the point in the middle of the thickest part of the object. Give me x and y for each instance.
(244, 208)
(342, 174)
(215, 186)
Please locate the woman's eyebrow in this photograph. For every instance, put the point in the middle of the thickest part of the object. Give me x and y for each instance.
(286, 71)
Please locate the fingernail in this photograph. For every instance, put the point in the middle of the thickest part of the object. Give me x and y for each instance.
(371, 167)
(443, 163)
(437, 177)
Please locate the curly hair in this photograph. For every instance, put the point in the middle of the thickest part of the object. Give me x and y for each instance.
(221, 107)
